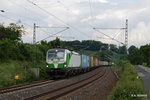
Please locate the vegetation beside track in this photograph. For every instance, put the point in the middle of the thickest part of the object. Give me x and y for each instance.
(10, 68)
(128, 83)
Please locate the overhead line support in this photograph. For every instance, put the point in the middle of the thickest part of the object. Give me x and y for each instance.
(126, 34)
(34, 45)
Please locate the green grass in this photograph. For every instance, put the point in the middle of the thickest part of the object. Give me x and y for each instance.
(10, 68)
(145, 65)
(128, 84)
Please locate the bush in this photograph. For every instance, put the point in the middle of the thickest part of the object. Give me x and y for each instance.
(10, 68)
(128, 84)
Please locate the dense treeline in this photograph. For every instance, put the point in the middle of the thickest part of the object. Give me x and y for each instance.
(94, 46)
(12, 47)
(139, 55)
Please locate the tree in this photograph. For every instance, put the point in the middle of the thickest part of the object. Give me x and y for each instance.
(10, 37)
(131, 49)
(145, 50)
(55, 43)
(135, 56)
(113, 48)
(12, 32)
(122, 50)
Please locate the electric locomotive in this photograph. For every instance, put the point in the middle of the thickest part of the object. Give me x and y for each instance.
(62, 61)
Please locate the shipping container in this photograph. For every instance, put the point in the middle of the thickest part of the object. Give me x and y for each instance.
(84, 61)
(94, 61)
(100, 63)
(91, 61)
(97, 62)
(88, 61)
(105, 63)
(110, 63)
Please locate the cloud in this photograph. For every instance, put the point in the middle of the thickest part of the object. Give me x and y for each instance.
(140, 34)
(77, 14)
(103, 1)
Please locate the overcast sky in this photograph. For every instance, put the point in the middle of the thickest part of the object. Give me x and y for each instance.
(81, 16)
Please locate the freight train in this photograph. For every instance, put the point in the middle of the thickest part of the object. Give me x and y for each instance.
(64, 62)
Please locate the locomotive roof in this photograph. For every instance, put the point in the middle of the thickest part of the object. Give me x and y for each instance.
(66, 50)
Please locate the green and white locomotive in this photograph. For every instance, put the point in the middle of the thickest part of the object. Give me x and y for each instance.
(62, 61)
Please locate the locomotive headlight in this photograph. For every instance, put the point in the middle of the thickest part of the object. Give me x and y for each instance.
(46, 65)
(65, 65)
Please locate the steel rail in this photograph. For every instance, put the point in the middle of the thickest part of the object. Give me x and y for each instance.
(24, 86)
(56, 93)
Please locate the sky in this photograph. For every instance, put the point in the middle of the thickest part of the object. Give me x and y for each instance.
(81, 16)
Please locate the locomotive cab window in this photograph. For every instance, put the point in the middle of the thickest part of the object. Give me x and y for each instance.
(55, 54)
(60, 55)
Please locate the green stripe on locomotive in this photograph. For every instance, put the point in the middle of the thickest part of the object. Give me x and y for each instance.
(61, 65)
(68, 59)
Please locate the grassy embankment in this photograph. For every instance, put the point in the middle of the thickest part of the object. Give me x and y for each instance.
(10, 68)
(146, 65)
(128, 83)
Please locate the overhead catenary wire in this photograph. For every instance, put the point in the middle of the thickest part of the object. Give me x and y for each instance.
(21, 6)
(21, 16)
(103, 38)
(27, 24)
(64, 5)
(107, 36)
(117, 34)
(27, 10)
(57, 18)
(91, 14)
(15, 20)
(68, 9)
(64, 36)
(24, 16)
(52, 35)
(31, 26)
(53, 16)
(21, 23)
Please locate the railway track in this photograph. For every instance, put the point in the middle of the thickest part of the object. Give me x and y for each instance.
(24, 86)
(62, 91)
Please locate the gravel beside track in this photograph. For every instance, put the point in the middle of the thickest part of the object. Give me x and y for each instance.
(99, 86)
(23, 86)
(54, 94)
(97, 90)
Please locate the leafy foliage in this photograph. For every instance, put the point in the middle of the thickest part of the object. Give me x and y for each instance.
(128, 84)
(139, 55)
(12, 32)
(10, 68)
